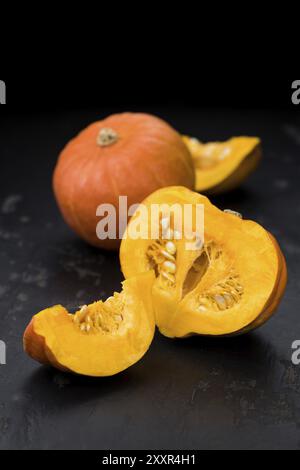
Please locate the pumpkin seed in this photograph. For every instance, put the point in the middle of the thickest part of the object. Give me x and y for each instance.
(220, 301)
(229, 300)
(202, 308)
(169, 277)
(80, 316)
(171, 248)
(167, 255)
(169, 267)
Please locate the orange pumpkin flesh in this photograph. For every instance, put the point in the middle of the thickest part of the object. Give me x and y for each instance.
(101, 339)
(124, 155)
(223, 166)
(230, 285)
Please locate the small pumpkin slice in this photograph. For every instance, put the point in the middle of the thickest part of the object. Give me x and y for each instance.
(101, 339)
(223, 166)
(231, 284)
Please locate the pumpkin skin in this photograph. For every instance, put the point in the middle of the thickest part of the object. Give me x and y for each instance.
(55, 337)
(127, 154)
(230, 285)
(223, 166)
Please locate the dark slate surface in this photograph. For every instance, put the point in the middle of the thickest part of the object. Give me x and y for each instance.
(196, 393)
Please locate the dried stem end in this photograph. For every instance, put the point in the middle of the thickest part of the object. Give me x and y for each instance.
(107, 137)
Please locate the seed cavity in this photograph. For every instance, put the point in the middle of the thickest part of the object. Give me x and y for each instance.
(195, 273)
(221, 286)
(161, 255)
(224, 295)
(101, 317)
(217, 295)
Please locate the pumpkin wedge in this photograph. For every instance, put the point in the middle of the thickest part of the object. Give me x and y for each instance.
(223, 166)
(232, 283)
(101, 339)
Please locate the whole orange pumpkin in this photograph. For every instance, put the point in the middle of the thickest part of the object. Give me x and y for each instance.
(129, 154)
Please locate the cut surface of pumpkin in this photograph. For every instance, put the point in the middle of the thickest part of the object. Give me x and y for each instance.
(101, 339)
(223, 166)
(230, 284)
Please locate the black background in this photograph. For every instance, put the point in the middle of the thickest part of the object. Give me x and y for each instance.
(197, 393)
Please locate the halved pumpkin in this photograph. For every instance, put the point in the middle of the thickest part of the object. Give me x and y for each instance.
(223, 166)
(231, 283)
(101, 339)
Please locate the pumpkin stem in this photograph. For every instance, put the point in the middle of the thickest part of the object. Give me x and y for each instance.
(107, 137)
